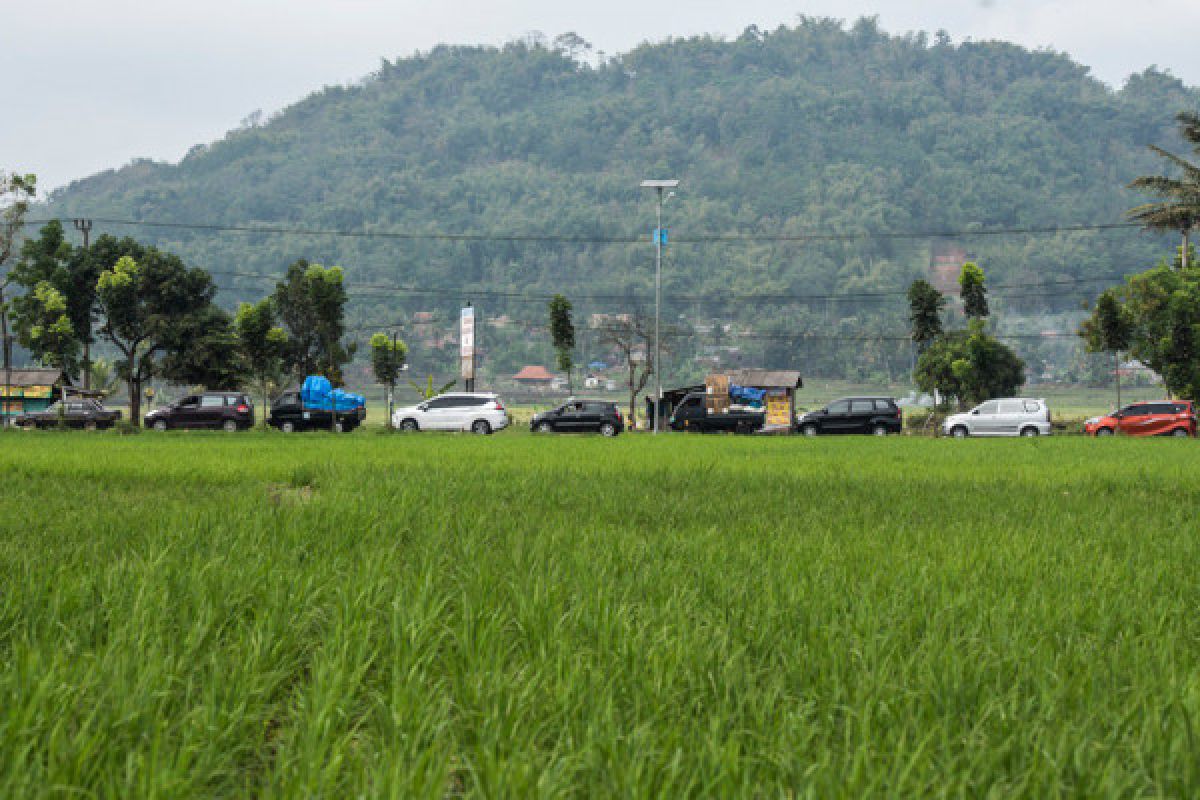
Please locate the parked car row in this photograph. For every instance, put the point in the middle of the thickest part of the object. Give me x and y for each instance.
(484, 413)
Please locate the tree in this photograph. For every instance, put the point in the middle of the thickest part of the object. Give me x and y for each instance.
(387, 362)
(1109, 330)
(429, 391)
(1162, 309)
(145, 306)
(311, 301)
(1179, 208)
(631, 335)
(925, 312)
(974, 291)
(970, 366)
(72, 271)
(45, 328)
(15, 193)
(262, 344)
(562, 335)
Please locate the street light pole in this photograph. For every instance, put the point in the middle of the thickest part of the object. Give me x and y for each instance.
(659, 238)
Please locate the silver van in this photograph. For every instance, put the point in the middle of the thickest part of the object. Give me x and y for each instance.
(1004, 416)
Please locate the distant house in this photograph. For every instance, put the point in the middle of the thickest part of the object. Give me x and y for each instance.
(534, 377)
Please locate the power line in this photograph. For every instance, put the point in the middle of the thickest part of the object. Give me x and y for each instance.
(591, 239)
(1021, 290)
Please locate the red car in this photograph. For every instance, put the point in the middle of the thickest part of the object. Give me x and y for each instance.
(1161, 418)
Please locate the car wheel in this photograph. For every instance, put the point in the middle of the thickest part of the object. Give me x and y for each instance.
(960, 432)
(90, 425)
(608, 429)
(880, 430)
(409, 425)
(1029, 431)
(481, 427)
(159, 425)
(288, 427)
(1180, 432)
(545, 427)
(1104, 432)
(809, 430)
(229, 426)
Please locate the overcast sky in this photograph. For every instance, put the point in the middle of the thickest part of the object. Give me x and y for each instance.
(92, 84)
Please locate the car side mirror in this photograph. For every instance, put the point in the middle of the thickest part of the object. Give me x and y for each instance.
(423, 407)
(976, 412)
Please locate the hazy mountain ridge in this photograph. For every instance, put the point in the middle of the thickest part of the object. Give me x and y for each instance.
(815, 128)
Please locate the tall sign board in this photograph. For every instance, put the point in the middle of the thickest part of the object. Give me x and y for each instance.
(467, 350)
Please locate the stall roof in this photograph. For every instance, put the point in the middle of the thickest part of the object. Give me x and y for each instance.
(31, 377)
(766, 378)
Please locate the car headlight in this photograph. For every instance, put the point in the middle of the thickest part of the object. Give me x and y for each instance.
(1091, 420)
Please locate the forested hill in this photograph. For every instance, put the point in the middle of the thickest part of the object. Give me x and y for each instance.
(820, 128)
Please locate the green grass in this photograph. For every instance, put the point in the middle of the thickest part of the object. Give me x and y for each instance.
(370, 615)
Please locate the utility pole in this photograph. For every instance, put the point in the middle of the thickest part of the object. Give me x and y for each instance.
(392, 385)
(660, 238)
(84, 226)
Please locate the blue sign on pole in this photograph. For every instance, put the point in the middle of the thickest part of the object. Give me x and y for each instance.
(660, 236)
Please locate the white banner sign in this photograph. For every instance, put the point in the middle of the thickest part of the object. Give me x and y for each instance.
(466, 342)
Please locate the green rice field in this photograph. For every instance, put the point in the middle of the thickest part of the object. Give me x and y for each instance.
(371, 615)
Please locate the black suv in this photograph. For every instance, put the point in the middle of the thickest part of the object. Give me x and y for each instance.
(229, 411)
(877, 415)
(580, 416)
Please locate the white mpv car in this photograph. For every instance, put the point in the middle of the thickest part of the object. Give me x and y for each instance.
(478, 413)
(1006, 416)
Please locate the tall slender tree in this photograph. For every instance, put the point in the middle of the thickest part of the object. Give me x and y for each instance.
(1109, 330)
(562, 335)
(15, 193)
(387, 362)
(1179, 206)
(262, 344)
(974, 291)
(925, 313)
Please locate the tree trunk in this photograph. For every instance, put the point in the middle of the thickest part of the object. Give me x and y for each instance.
(7, 360)
(632, 405)
(87, 364)
(1117, 374)
(135, 401)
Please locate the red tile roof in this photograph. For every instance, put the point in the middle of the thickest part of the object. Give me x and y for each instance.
(533, 374)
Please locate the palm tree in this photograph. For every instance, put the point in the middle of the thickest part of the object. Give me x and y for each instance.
(1179, 208)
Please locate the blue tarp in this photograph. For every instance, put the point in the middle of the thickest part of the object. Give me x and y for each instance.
(318, 394)
(746, 395)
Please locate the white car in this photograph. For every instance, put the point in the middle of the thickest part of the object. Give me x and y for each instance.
(1005, 416)
(460, 411)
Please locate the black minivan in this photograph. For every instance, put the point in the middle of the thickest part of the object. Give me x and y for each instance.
(876, 415)
(229, 411)
(580, 416)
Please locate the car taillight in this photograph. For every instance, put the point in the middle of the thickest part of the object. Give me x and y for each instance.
(497, 405)
(243, 408)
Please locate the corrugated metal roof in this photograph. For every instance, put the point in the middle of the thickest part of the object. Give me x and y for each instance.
(31, 377)
(766, 378)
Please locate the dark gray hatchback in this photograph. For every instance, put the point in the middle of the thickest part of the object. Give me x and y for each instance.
(580, 416)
